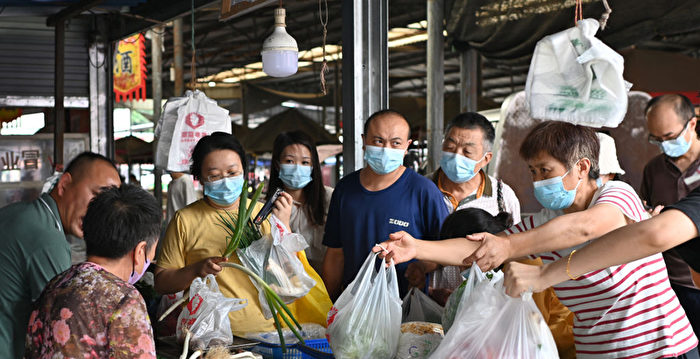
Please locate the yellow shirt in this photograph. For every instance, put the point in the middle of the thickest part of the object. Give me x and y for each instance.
(194, 234)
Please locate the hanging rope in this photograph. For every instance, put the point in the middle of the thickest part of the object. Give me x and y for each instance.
(324, 23)
(578, 15)
(193, 68)
(604, 18)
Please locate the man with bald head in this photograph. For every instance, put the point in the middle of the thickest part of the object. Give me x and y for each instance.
(669, 177)
(382, 198)
(34, 246)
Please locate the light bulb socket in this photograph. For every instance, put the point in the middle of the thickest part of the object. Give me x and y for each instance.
(280, 14)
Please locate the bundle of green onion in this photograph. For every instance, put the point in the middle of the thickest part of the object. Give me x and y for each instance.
(275, 303)
(241, 233)
(240, 229)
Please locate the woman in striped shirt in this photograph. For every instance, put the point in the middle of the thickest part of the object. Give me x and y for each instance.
(627, 311)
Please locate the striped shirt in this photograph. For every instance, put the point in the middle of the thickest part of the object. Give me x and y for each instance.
(626, 311)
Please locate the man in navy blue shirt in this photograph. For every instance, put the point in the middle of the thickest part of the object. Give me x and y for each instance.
(382, 198)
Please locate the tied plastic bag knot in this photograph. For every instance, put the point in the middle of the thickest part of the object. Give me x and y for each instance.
(365, 322)
(574, 77)
(206, 314)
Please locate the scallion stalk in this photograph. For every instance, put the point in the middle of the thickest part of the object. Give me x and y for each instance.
(274, 302)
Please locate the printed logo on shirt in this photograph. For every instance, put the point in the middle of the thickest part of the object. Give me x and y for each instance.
(692, 178)
(398, 222)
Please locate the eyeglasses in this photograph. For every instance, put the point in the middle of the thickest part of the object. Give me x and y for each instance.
(227, 174)
(657, 141)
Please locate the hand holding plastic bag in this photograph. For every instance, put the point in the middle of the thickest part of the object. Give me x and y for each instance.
(273, 258)
(365, 322)
(495, 325)
(418, 307)
(206, 314)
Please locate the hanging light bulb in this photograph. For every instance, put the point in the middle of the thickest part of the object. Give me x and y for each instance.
(280, 53)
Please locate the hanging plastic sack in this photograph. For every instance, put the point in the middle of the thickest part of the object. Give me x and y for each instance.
(461, 296)
(365, 322)
(495, 325)
(418, 307)
(273, 258)
(206, 314)
(165, 129)
(575, 77)
(184, 121)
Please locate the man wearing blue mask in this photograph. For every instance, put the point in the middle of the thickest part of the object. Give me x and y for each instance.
(462, 179)
(381, 198)
(669, 177)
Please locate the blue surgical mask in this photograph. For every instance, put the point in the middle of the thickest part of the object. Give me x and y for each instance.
(295, 176)
(225, 191)
(552, 195)
(383, 160)
(676, 147)
(458, 168)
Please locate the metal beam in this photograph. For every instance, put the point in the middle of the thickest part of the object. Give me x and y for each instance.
(70, 11)
(468, 80)
(59, 120)
(436, 82)
(365, 72)
(157, 84)
(159, 10)
(99, 95)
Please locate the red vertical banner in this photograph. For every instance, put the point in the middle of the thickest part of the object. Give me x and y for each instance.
(130, 69)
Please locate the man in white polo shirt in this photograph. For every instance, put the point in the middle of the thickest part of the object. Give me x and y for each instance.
(466, 151)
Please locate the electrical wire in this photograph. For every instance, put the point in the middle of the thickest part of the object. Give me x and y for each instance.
(324, 24)
(193, 70)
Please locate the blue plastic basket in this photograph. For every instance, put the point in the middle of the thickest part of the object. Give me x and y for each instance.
(314, 349)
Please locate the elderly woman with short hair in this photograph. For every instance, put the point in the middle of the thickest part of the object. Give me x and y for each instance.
(627, 311)
(92, 310)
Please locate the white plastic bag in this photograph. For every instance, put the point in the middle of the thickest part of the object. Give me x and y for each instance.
(206, 314)
(184, 121)
(575, 77)
(418, 307)
(273, 258)
(365, 321)
(495, 325)
(165, 129)
(461, 296)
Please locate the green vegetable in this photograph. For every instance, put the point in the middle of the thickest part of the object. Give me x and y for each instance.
(275, 303)
(241, 231)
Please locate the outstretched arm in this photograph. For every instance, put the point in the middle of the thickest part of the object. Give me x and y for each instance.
(559, 233)
(402, 247)
(624, 245)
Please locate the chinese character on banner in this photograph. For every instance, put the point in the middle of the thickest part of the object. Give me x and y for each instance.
(130, 69)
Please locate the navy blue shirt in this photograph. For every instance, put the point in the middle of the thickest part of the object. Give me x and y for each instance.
(358, 219)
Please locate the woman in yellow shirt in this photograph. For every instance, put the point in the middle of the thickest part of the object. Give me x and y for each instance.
(193, 242)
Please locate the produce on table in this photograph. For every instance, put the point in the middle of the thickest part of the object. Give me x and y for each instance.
(418, 340)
